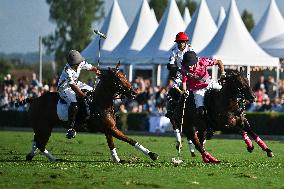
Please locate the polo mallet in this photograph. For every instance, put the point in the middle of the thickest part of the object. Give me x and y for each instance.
(183, 108)
(101, 35)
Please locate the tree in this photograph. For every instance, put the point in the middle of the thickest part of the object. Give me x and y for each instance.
(5, 68)
(248, 20)
(159, 6)
(73, 19)
(191, 5)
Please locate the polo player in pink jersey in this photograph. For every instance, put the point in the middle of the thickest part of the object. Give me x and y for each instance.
(195, 77)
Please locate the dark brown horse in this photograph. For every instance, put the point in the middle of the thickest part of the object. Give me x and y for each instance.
(43, 114)
(224, 110)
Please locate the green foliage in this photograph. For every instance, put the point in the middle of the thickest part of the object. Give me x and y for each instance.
(73, 19)
(190, 4)
(248, 20)
(159, 6)
(5, 68)
(86, 164)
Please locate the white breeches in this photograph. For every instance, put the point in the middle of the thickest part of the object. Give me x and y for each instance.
(70, 96)
(199, 94)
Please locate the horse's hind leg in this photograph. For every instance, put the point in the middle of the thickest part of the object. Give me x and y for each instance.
(32, 153)
(257, 139)
(41, 138)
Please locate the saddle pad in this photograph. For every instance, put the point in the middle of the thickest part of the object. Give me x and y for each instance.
(62, 111)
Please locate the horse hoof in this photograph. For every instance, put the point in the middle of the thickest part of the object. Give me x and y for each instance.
(269, 153)
(250, 149)
(29, 157)
(59, 160)
(122, 161)
(192, 154)
(153, 156)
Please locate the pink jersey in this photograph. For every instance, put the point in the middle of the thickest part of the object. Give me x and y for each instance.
(199, 70)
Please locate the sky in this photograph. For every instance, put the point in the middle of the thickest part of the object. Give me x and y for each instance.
(23, 21)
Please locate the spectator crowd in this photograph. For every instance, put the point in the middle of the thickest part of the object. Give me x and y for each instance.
(149, 99)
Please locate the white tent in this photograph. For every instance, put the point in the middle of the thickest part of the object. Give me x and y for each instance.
(270, 25)
(156, 50)
(154, 15)
(274, 46)
(115, 27)
(202, 27)
(186, 16)
(138, 35)
(221, 16)
(234, 45)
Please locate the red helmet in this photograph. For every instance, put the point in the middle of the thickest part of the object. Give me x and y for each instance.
(181, 36)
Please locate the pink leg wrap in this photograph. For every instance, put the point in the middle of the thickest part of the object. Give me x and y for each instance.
(247, 140)
(208, 158)
(261, 143)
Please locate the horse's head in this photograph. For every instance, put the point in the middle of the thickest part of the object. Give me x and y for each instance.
(121, 85)
(239, 85)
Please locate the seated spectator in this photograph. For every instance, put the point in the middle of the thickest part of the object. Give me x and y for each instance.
(266, 106)
(271, 87)
(261, 84)
(9, 81)
(275, 105)
(35, 82)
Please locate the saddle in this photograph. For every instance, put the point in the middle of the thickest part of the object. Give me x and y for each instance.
(83, 111)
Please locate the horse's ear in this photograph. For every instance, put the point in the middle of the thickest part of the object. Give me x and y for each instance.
(117, 65)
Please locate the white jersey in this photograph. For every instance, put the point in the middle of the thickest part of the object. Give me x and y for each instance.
(70, 76)
(176, 58)
(177, 55)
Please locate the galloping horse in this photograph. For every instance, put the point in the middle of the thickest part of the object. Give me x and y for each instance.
(43, 114)
(224, 110)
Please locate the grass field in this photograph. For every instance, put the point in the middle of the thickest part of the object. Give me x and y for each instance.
(87, 164)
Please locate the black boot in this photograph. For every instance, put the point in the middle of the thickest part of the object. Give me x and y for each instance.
(72, 112)
(170, 109)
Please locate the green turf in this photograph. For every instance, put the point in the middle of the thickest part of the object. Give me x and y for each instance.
(87, 164)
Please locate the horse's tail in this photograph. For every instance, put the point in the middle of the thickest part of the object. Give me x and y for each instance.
(23, 102)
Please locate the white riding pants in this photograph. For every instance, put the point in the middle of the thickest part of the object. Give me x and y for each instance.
(69, 95)
(199, 94)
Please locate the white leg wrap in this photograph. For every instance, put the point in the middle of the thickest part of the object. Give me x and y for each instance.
(177, 134)
(34, 149)
(142, 148)
(114, 156)
(191, 146)
(48, 155)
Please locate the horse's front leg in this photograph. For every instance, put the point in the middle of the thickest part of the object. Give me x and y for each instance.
(247, 140)
(113, 152)
(114, 131)
(257, 139)
(207, 158)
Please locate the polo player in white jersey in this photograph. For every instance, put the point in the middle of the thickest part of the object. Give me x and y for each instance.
(69, 86)
(174, 67)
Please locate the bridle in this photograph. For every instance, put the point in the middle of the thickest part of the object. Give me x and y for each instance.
(120, 89)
